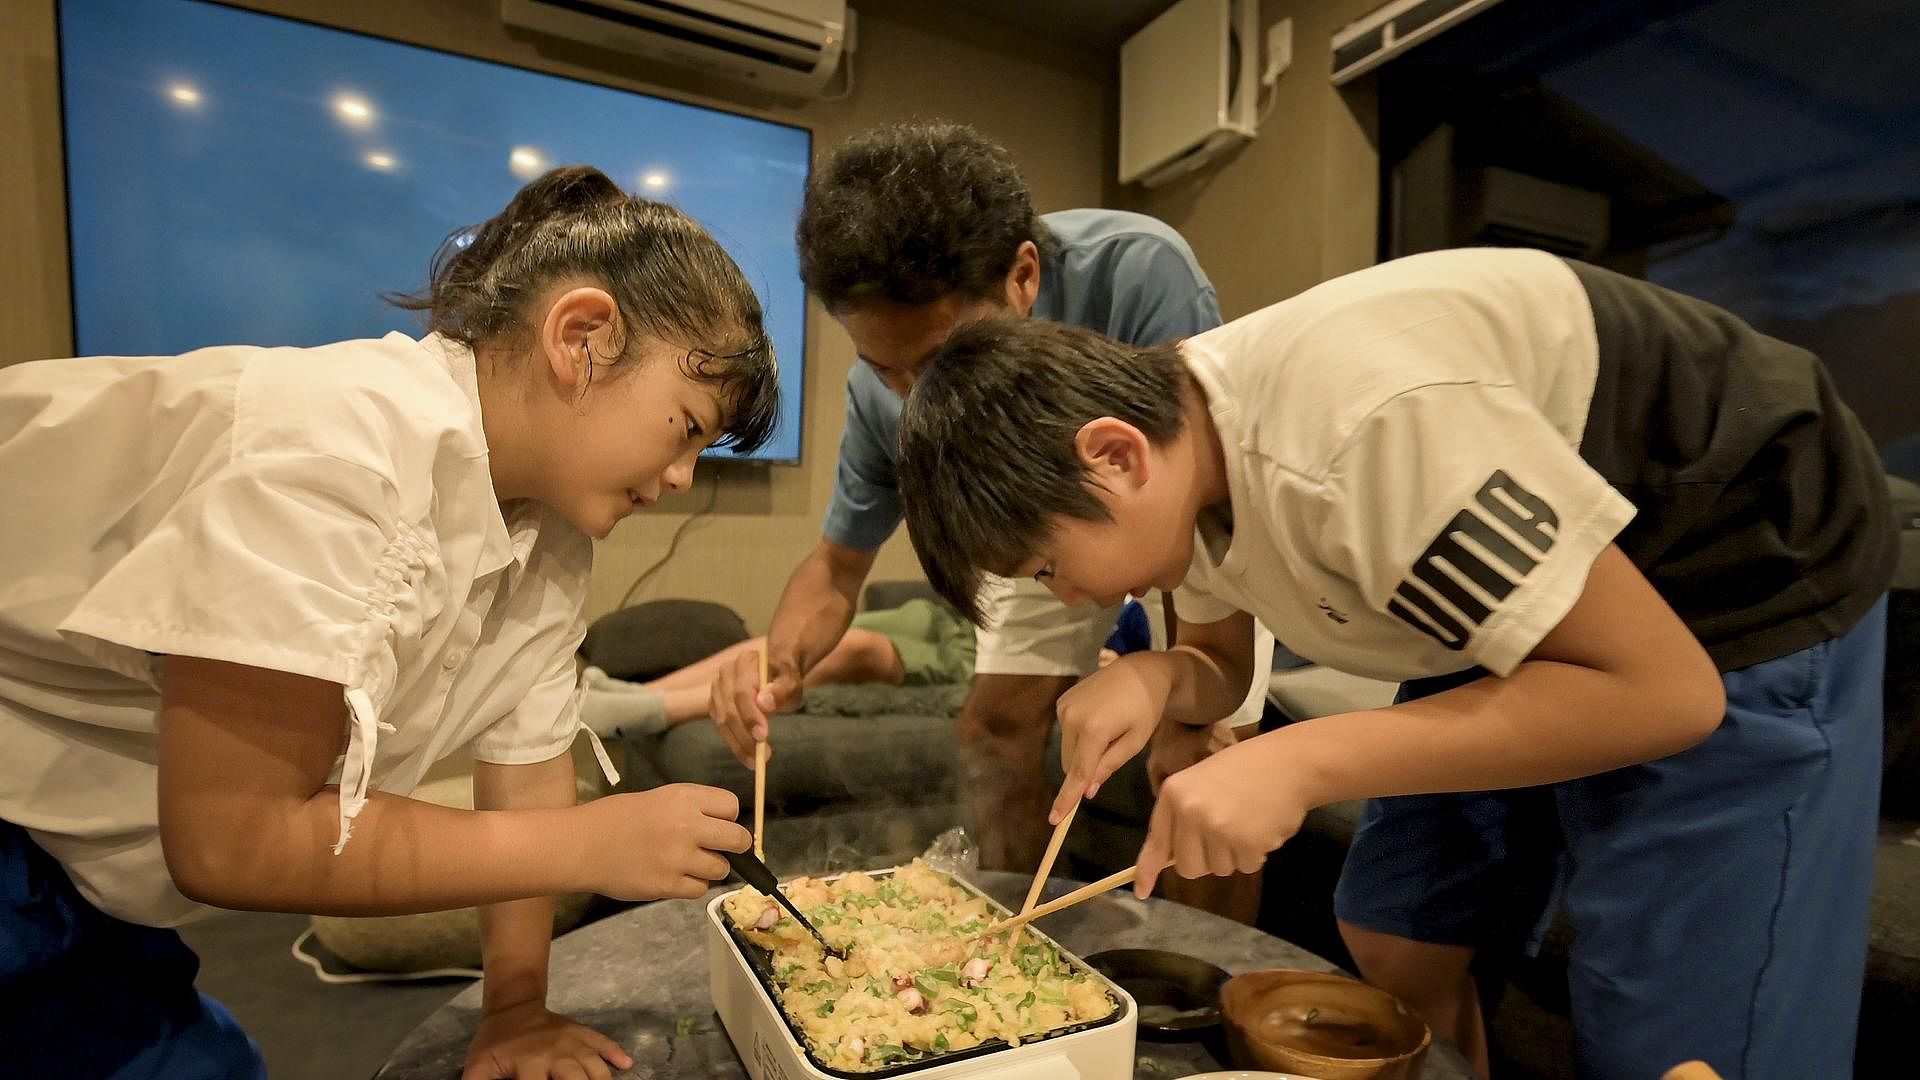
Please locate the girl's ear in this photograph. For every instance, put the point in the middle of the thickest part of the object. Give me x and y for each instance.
(577, 333)
(1114, 451)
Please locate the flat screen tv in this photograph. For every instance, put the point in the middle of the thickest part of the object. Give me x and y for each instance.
(240, 178)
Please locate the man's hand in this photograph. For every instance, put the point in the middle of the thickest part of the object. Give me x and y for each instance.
(1104, 720)
(1176, 746)
(526, 1042)
(741, 707)
(1221, 816)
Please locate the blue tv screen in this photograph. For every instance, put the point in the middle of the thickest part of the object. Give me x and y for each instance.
(239, 178)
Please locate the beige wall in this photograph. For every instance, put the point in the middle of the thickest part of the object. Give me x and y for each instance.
(1299, 203)
(1049, 104)
(35, 304)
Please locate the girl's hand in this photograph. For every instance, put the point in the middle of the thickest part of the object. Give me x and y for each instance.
(1104, 720)
(524, 1041)
(665, 842)
(1221, 816)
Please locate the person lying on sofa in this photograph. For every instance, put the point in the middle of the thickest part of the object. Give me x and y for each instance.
(919, 643)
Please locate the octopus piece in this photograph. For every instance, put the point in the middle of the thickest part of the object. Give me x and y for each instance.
(915, 1002)
(975, 971)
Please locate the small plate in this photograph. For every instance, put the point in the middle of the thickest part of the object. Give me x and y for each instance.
(1178, 995)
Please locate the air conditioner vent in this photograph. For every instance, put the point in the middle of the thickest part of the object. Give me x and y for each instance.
(786, 46)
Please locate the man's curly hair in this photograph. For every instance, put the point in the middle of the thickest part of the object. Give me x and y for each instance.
(912, 212)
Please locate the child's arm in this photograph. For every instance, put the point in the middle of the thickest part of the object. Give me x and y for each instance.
(1620, 680)
(247, 819)
(516, 1030)
(1108, 716)
(515, 934)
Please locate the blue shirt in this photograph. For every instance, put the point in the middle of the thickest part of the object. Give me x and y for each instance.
(1128, 276)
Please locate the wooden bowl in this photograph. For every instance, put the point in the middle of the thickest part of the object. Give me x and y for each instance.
(1321, 1025)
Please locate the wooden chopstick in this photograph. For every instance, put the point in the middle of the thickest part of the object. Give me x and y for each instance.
(1084, 892)
(1046, 863)
(760, 778)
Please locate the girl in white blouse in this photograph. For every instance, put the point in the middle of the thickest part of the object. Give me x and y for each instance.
(248, 596)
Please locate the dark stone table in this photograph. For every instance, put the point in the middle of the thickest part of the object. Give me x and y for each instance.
(640, 977)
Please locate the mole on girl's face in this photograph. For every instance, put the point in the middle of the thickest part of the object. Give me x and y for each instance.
(638, 438)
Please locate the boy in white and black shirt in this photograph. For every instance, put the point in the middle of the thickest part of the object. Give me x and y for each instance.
(1640, 547)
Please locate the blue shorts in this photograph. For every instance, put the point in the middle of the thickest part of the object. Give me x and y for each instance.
(1718, 897)
(83, 994)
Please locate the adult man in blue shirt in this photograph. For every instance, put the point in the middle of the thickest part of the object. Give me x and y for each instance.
(908, 230)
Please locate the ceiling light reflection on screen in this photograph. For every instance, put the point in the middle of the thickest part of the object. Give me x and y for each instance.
(184, 94)
(525, 162)
(353, 110)
(654, 180)
(383, 162)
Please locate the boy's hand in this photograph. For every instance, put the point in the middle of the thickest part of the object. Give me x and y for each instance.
(741, 707)
(1104, 720)
(1220, 816)
(666, 842)
(525, 1041)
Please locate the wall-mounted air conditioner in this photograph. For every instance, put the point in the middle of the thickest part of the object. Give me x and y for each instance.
(786, 47)
(1187, 88)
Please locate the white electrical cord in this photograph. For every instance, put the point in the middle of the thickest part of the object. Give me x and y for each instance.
(1266, 110)
(1278, 60)
(341, 979)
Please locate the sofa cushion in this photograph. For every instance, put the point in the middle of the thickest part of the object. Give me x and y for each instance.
(649, 640)
(865, 743)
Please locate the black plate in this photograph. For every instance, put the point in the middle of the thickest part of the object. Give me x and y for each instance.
(1177, 996)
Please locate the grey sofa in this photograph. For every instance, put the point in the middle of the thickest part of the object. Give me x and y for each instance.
(864, 775)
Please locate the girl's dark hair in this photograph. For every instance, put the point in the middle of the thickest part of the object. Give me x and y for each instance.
(914, 211)
(673, 282)
(987, 462)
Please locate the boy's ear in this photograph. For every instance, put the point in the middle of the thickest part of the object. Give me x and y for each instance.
(577, 333)
(1113, 451)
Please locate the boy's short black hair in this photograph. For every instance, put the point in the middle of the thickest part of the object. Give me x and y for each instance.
(912, 212)
(986, 445)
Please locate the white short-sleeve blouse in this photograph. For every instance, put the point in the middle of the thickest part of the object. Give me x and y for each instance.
(327, 512)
